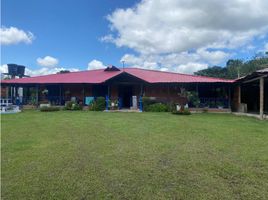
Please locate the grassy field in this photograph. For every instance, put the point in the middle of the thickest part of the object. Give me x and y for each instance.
(95, 155)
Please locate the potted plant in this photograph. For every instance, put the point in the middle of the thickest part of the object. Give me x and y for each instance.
(113, 105)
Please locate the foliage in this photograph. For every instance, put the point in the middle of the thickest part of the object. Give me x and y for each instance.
(98, 104)
(193, 98)
(146, 102)
(77, 106)
(113, 104)
(49, 109)
(71, 105)
(236, 68)
(157, 107)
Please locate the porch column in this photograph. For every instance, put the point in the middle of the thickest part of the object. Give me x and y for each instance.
(261, 97)
(11, 93)
(108, 90)
(239, 94)
(168, 93)
(26, 92)
(229, 97)
(83, 94)
(141, 90)
(60, 95)
(36, 94)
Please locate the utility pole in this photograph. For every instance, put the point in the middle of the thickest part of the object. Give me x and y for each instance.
(238, 73)
(123, 64)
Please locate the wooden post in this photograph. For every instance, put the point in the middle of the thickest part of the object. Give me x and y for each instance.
(11, 94)
(60, 95)
(83, 94)
(26, 95)
(36, 97)
(168, 94)
(108, 90)
(261, 97)
(229, 97)
(239, 95)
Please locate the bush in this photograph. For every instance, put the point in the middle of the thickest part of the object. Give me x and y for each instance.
(71, 105)
(98, 104)
(193, 98)
(181, 112)
(172, 107)
(77, 107)
(49, 109)
(158, 107)
(146, 102)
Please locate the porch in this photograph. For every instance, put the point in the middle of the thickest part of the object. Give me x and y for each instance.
(122, 95)
(251, 95)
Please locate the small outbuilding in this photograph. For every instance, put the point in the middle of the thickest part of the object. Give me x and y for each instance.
(251, 94)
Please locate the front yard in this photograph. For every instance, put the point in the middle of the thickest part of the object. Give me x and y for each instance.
(97, 155)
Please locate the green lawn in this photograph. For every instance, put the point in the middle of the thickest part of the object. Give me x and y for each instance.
(96, 155)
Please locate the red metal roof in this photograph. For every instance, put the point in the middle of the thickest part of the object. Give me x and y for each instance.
(154, 76)
(100, 76)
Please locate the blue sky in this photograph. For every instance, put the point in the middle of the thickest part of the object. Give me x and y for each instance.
(85, 34)
(69, 31)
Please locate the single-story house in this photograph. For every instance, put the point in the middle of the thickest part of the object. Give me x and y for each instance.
(126, 85)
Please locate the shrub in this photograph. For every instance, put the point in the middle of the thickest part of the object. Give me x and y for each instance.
(77, 107)
(172, 107)
(146, 102)
(98, 104)
(49, 109)
(158, 107)
(193, 98)
(71, 105)
(182, 112)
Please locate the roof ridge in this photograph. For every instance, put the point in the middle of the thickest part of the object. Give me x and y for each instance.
(192, 75)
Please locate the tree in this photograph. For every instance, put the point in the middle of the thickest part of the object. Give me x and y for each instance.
(236, 68)
(214, 71)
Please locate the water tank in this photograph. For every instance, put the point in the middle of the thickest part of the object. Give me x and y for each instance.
(16, 70)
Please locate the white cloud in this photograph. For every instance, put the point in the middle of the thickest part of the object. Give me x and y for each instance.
(170, 62)
(173, 33)
(38, 72)
(266, 47)
(3, 68)
(155, 26)
(212, 57)
(190, 68)
(47, 61)
(95, 64)
(13, 35)
(45, 71)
